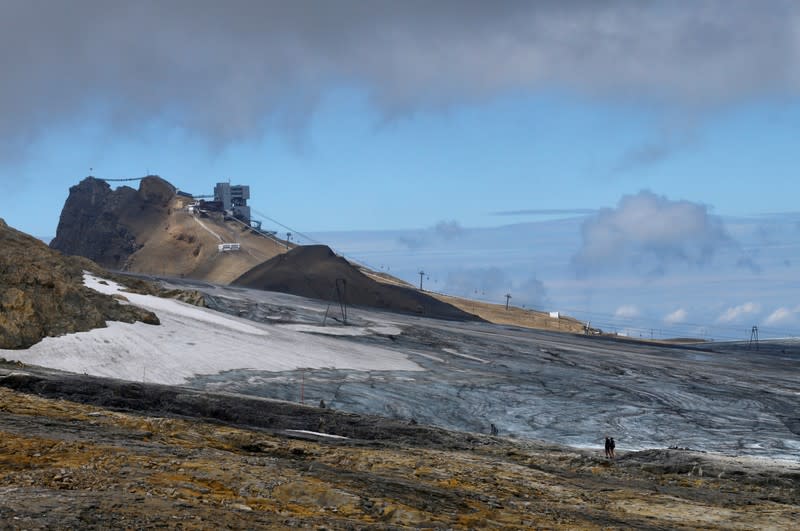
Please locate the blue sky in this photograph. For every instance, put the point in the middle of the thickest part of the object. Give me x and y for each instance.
(349, 168)
(364, 116)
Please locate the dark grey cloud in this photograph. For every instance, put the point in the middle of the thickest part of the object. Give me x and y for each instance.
(546, 212)
(666, 144)
(480, 283)
(413, 242)
(649, 233)
(492, 284)
(226, 70)
(766, 233)
(448, 230)
(644, 155)
(747, 262)
(531, 293)
(443, 231)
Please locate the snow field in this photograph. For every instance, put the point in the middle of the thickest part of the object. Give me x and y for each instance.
(193, 340)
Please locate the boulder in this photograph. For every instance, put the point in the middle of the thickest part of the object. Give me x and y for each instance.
(42, 293)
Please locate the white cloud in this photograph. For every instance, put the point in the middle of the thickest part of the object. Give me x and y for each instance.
(678, 316)
(736, 313)
(627, 311)
(782, 316)
(650, 232)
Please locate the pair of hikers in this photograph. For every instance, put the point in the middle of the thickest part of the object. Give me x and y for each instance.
(610, 445)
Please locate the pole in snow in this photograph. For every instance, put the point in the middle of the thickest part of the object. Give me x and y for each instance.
(302, 385)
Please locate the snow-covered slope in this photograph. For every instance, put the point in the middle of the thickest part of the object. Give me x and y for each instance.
(192, 341)
(563, 388)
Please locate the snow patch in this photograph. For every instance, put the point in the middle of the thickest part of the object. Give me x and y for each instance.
(318, 434)
(454, 352)
(192, 341)
(176, 308)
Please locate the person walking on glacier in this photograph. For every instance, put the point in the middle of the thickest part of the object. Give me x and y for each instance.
(609, 447)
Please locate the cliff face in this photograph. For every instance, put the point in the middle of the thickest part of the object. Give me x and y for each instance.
(42, 293)
(103, 224)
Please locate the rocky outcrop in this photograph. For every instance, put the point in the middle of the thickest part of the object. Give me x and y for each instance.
(150, 231)
(42, 293)
(103, 224)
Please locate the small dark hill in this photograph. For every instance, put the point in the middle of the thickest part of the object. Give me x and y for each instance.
(42, 293)
(312, 271)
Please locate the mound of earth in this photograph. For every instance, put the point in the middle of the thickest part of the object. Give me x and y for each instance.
(42, 293)
(151, 231)
(314, 270)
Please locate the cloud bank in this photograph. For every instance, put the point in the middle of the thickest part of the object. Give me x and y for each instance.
(222, 69)
(443, 231)
(649, 233)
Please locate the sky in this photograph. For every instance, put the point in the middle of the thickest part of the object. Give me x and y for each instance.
(657, 125)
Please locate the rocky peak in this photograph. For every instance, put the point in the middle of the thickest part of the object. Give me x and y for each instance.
(155, 190)
(102, 224)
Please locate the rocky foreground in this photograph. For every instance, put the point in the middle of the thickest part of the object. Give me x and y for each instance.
(78, 452)
(42, 293)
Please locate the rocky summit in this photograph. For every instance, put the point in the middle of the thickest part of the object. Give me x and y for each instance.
(102, 224)
(156, 231)
(42, 293)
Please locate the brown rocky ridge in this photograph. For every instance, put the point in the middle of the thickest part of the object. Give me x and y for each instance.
(515, 316)
(151, 231)
(42, 293)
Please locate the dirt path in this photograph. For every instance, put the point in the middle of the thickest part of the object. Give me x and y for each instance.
(203, 225)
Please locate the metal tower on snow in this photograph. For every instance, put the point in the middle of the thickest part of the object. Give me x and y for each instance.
(753, 338)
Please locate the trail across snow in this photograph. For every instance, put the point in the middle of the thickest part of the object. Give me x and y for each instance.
(192, 341)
